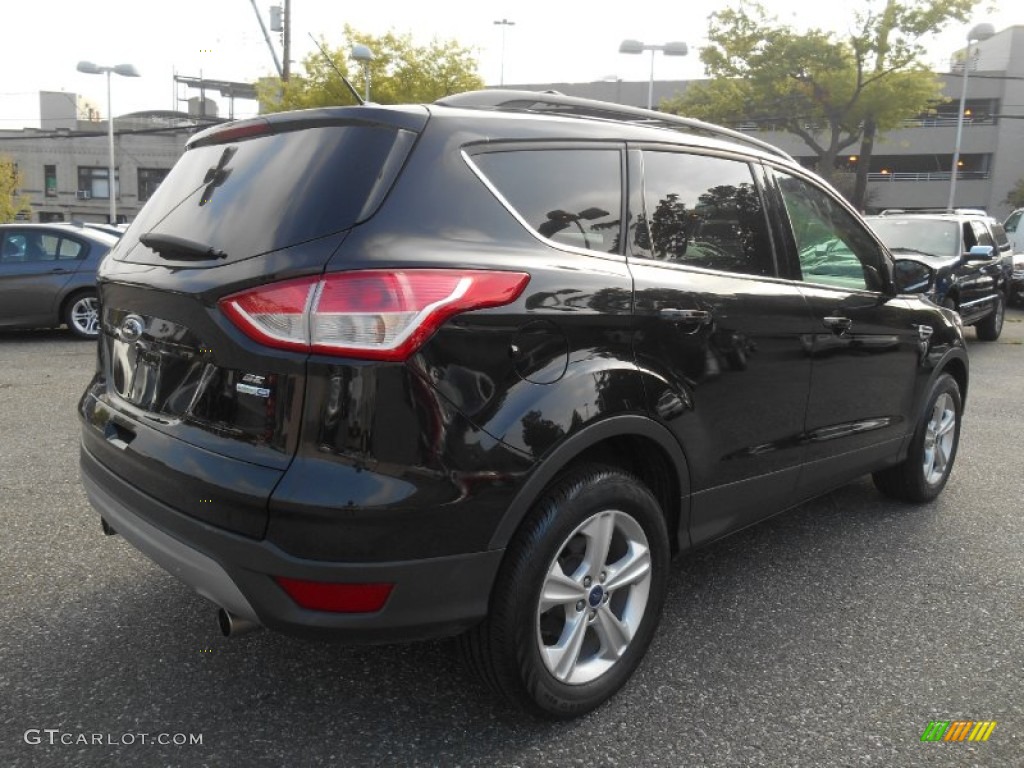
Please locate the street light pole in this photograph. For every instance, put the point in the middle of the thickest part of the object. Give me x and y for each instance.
(669, 49)
(111, 185)
(125, 70)
(364, 56)
(977, 34)
(504, 24)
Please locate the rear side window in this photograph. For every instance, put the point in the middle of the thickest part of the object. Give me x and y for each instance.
(981, 234)
(570, 196)
(262, 194)
(705, 212)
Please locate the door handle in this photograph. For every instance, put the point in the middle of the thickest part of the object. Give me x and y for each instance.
(698, 316)
(838, 325)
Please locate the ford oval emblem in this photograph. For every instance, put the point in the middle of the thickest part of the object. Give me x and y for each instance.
(132, 328)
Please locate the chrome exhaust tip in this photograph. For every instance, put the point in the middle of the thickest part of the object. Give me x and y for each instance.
(234, 626)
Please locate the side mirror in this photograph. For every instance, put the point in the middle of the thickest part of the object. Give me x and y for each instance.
(912, 276)
(980, 253)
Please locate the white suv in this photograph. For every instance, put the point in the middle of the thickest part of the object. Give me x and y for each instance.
(1014, 230)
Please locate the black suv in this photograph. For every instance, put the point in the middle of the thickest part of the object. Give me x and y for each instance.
(480, 367)
(971, 255)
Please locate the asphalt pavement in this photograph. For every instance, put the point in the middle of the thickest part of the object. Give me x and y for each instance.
(831, 635)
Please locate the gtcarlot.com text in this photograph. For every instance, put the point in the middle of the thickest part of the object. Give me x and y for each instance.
(57, 737)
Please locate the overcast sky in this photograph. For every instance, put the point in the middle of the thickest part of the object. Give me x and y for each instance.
(221, 39)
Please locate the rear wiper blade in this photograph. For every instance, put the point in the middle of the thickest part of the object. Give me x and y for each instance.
(171, 247)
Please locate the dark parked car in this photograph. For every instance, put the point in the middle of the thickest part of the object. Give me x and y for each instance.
(480, 367)
(48, 276)
(971, 256)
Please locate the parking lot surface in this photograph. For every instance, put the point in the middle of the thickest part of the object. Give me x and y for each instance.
(831, 635)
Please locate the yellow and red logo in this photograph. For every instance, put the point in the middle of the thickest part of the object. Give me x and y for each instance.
(958, 730)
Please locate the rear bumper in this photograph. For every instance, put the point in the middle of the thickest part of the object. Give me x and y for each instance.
(431, 597)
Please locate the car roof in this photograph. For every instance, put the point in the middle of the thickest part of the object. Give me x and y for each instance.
(551, 104)
(500, 114)
(87, 233)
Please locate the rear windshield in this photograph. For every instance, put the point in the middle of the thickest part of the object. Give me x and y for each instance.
(262, 194)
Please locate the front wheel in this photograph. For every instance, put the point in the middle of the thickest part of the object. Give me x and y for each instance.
(82, 315)
(923, 474)
(578, 597)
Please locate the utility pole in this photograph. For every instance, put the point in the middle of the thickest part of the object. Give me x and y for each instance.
(286, 38)
(266, 36)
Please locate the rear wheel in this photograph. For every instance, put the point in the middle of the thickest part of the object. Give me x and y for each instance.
(578, 596)
(923, 475)
(990, 328)
(82, 314)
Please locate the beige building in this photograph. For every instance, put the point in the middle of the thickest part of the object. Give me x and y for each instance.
(64, 163)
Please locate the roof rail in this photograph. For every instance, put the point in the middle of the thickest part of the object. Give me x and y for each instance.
(555, 103)
(961, 211)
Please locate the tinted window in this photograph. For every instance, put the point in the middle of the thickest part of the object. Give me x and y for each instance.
(981, 234)
(262, 194)
(705, 212)
(1002, 241)
(28, 245)
(834, 247)
(571, 196)
(13, 248)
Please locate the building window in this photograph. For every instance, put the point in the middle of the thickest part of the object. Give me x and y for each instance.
(50, 180)
(93, 183)
(149, 180)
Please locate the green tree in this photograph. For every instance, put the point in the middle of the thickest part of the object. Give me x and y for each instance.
(825, 89)
(401, 72)
(1015, 197)
(11, 203)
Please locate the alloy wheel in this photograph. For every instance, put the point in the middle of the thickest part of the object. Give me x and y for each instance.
(85, 316)
(938, 439)
(594, 597)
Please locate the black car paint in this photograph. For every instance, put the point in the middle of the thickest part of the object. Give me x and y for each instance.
(419, 472)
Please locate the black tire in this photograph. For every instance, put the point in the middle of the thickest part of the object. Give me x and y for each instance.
(514, 648)
(923, 475)
(82, 314)
(991, 326)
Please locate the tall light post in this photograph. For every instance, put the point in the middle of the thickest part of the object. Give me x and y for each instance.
(504, 24)
(125, 70)
(364, 56)
(669, 49)
(978, 33)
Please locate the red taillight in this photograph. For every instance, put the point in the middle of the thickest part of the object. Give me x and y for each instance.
(369, 314)
(337, 598)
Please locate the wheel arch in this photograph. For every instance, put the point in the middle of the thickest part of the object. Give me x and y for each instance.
(630, 442)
